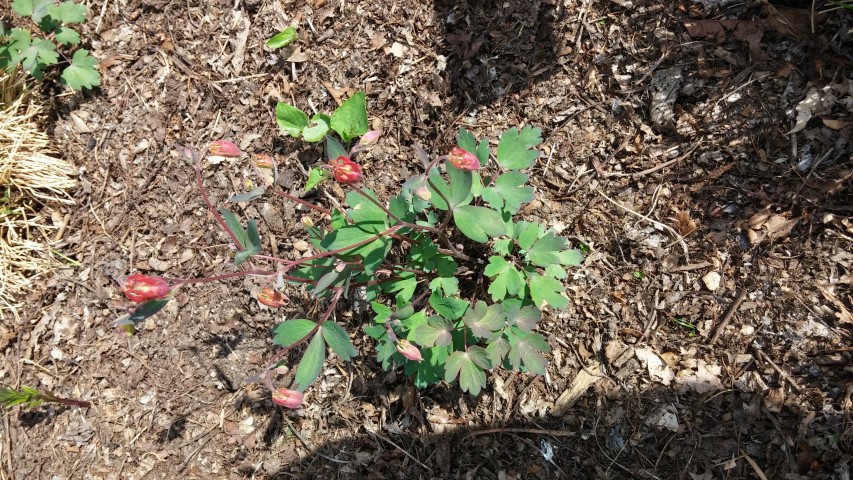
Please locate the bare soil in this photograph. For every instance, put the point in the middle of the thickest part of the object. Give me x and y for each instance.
(702, 151)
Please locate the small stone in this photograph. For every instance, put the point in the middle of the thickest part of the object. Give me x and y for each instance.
(711, 281)
(301, 245)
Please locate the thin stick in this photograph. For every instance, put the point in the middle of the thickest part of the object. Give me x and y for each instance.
(758, 470)
(534, 431)
(655, 223)
(741, 296)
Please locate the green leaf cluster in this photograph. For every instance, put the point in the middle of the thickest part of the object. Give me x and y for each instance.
(349, 120)
(328, 333)
(36, 53)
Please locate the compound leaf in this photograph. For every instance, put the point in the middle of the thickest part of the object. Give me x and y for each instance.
(506, 279)
(436, 332)
(467, 142)
(83, 71)
(509, 191)
(515, 149)
(460, 186)
(68, 12)
(36, 9)
(468, 366)
(478, 223)
(528, 351)
(449, 307)
(67, 36)
(525, 318)
(484, 320)
(545, 250)
(546, 289)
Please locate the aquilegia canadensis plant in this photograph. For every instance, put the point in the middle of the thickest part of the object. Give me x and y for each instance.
(455, 279)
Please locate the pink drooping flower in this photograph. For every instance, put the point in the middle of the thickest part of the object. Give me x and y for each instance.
(140, 288)
(224, 148)
(272, 298)
(345, 170)
(287, 398)
(463, 159)
(370, 137)
(409, 351)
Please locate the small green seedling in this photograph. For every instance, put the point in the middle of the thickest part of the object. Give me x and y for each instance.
(30, 398)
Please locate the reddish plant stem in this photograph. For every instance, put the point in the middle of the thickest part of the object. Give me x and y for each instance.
(216, 215)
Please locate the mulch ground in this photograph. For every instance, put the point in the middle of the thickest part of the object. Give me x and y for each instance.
(701, 151)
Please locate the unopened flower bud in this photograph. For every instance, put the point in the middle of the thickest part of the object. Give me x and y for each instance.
(409, 351)
(370, 137)
(422, 192)
(224, 148)
(463, 159)
(345, 170)
(262, 160)
(140, 288)
(272, 298)
(287, 398)
(306, 220)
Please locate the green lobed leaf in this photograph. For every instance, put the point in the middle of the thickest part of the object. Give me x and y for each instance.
(33, 54)
(502, 246)
(449, 307)
(316, 132)
(544, 250)
(350, 119)
(515, 149)
(83, 71)
(448, 285)
(572, 257)
(478, 223)
(283, 38)
(526, 233)
(292, 331)
(36, 9)
(235, 227)
(528, 351)
(546, 289)
(525, 318)
(506, 279)
(484, 320)
(468, 366)
(436, 332)
(497, 350)
(311, 364)
(431, 369)
(291, 120)
(382, 312)
(67, 36)
(68, 12)
(338, 339)
(509, 191)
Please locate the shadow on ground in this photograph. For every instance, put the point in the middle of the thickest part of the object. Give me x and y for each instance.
(655, 435)
(495, 47)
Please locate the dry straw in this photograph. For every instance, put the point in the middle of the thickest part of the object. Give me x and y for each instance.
(31, 182)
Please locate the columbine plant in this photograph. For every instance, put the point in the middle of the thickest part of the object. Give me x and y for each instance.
(456, 281)
(34, 54)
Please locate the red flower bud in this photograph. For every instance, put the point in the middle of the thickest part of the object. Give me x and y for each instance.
(224, 148)
(370, 137)
(463, 159)
(345, 170)
(140, 288)
(423, 193)
(287, 398)
(409, 351)
(272, 298)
